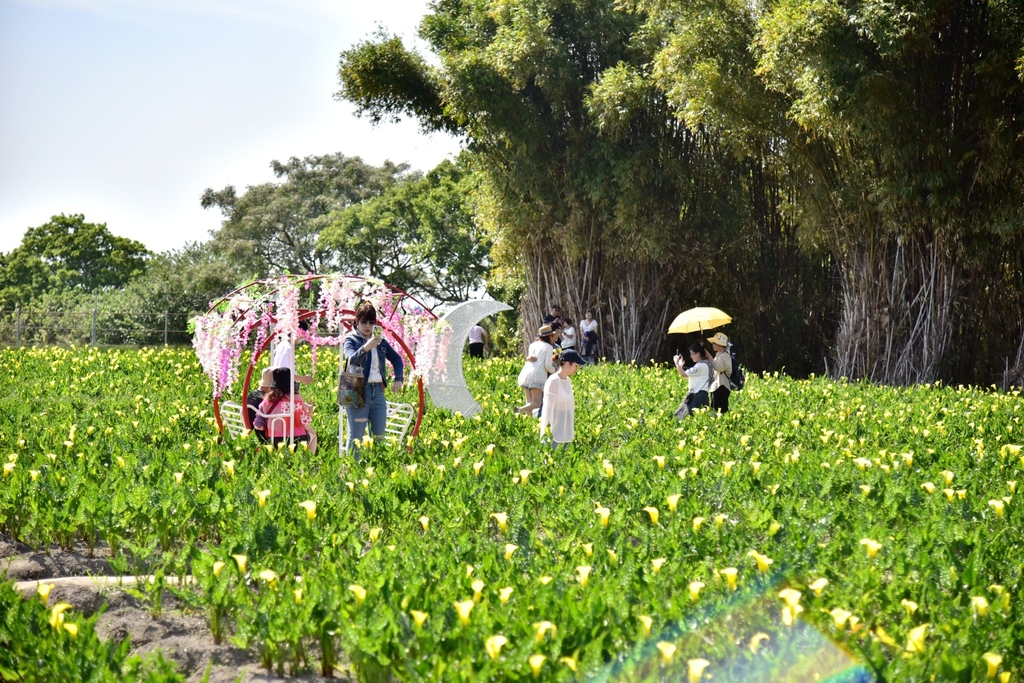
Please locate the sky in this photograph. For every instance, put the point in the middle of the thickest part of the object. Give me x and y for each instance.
(126, 110)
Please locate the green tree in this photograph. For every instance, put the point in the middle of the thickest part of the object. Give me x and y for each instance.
(419, 235)
(68, 254)
(179, 283)
(274, 228)
(594, 193)
(897, 129)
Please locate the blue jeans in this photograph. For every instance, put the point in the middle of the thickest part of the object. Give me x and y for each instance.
(374, 411)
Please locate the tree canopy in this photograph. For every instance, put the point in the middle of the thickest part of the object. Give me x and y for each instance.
(419, 235)
(67, 253)
(849, 169)
(593, 191)
(898, 127)
(274, 228)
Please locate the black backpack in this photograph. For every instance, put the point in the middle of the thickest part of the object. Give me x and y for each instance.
(736, 379)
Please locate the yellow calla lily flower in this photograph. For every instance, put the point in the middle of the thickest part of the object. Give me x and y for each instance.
(542, 628)
(730, 574)
(697, 522)
(504, 594)
(791, 596)
(653, 512)
(359, 592)
(57, 614)
(871, 545)
(667, 650)
(241, 561)
(992, 661)
(583, 574)
(425, 522)
(463, 609)
(604, 514)
(645, 623)
(673, 501)
(657, 563)
(909, 605)
(418, 617)
(818, 586)
(695, 587)
(478, 590)
(915, 639)
(502, 519)
(695, 669)
(44, 592)
(763, 561)
(310, 507)
(494, 644)
(536, 663)
(755, 642)
(261, 497)
(840, 616)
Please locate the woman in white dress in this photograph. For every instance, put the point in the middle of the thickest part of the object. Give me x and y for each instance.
(559, 413)
(536, 369)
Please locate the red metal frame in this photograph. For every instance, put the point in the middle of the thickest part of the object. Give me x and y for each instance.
(304, 314)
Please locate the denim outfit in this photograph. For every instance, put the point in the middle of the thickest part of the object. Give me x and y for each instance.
(374, 412)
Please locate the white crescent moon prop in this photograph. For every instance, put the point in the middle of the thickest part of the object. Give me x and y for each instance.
(452, 393)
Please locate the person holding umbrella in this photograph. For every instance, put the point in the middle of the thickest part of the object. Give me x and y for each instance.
(722, 363)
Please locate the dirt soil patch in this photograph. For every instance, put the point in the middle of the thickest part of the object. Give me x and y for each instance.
(182, 635)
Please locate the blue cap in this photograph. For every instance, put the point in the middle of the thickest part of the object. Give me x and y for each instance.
(570, 356)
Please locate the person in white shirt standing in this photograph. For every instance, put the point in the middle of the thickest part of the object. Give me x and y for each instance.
(559, 412)
(588, 328)
(284, 356)
(478, 341)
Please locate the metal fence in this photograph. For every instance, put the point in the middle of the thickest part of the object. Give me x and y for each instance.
(27, 325)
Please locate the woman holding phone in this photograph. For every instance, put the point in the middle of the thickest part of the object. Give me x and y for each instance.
(367, 351)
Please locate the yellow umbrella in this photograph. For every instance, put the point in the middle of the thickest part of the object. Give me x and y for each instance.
(699, 319)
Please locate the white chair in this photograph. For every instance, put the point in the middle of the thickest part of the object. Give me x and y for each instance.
(399, 417)
(231, 414)
(280, 423)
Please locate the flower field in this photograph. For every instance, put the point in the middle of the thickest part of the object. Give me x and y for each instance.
(819, 531)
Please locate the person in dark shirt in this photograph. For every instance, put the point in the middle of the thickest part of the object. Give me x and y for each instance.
(555, 316)
(252, 402)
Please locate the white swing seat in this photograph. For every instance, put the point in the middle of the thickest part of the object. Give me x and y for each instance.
(231, 415)
(396, 426)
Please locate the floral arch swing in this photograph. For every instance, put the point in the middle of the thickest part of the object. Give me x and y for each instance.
(265, 310)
